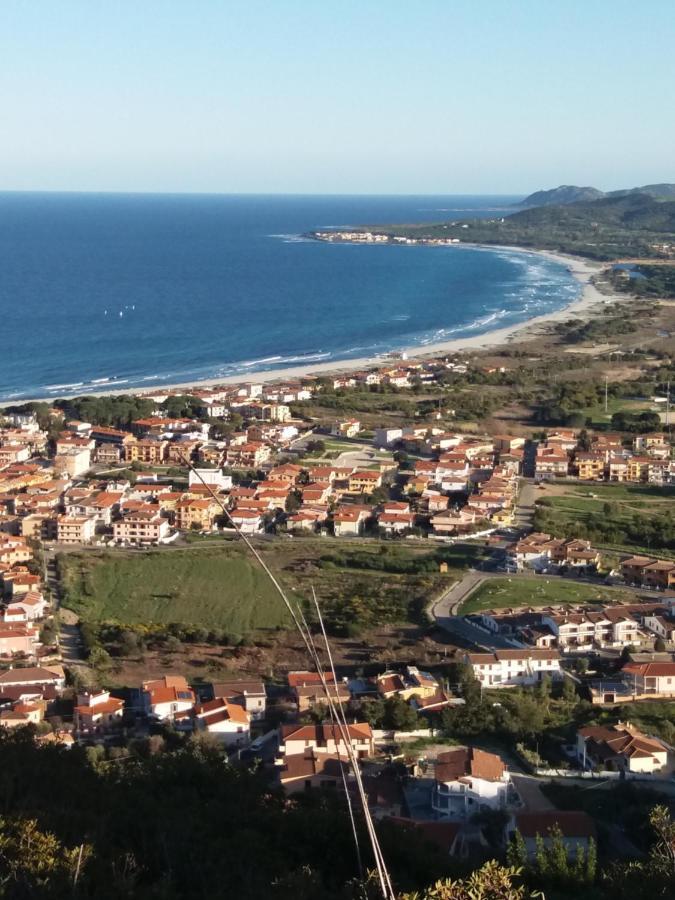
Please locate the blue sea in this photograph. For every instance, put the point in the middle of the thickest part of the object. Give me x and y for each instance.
(133, 290)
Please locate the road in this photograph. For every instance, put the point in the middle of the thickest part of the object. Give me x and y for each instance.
(70, 638)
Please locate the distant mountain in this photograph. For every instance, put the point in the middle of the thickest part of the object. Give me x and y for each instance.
(570, 193)
(658, 191)
(561, 196)
(628, 210)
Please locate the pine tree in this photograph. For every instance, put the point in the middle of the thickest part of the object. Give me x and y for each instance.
(516, 852)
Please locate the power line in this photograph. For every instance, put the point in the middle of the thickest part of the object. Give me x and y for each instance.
(305, 633)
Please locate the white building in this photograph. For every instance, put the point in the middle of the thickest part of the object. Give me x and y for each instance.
(166, 697)
(620, 747)
(326, 739)
(213, 477)
(229, 722)
(468, 781)
(504, 668)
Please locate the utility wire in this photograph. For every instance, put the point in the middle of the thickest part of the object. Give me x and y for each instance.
(304, 631)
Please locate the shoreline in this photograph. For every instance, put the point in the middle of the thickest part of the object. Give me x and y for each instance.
(583, 306)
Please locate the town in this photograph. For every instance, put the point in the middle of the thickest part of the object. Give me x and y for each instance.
(582, 630)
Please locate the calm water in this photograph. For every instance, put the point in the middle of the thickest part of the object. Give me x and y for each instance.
(143, 290)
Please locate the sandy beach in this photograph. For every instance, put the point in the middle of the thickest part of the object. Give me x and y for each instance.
(589, 301)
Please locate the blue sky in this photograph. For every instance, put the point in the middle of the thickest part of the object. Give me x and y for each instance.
(441, 96)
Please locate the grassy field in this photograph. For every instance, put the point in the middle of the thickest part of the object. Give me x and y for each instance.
(606, 513)
(499, 593)
(213, 588)
(598, 415)
(214, 585)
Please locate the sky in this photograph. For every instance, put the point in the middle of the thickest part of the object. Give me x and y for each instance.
(336, 96)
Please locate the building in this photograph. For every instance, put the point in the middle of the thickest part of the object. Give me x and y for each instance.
(251, 695)
(75, 529)
(346, 428)
(364, 481)
(164, 698)
(576, 829)
(228, 721)
(620, 747)
(310, 769)
(504, 668)
(141, 526)
(296, 739)
(649, 679)
(468, 781)
(96, 712)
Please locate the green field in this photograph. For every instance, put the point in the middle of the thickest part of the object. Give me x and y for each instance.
(208, 587)
(629, 518)
(499, 593)
(215, 585)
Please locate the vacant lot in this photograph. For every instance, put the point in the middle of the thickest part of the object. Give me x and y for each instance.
(211, 587)
(215, 585)
(634, 518)
(499, 593)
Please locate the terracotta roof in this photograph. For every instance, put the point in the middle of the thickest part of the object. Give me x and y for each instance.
(454, 765)
(572, 823)
(304, 679)
(321, 733)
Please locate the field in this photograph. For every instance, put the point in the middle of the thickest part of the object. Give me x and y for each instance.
(214, 585)
(208, 588)
(633, 518)
(500, 593)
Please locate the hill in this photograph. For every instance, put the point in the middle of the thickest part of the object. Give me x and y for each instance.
(570, 193)
(630, 224)
(566, 193)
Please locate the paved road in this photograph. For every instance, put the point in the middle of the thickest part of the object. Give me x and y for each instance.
(529, 789)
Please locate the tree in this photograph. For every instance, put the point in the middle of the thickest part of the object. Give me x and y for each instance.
(32, 861)
(569, 691)
(491, 882)
(516, 852)
(659, 645)
(399, 715)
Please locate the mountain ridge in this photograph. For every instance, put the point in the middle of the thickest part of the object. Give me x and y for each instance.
(566, 194)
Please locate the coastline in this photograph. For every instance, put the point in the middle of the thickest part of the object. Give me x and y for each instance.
(582, 307)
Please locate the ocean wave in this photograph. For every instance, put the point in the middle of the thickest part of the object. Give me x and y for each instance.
(64, 387)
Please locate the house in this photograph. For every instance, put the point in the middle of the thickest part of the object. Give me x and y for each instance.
(31, 605)
(309, 769)
(248, 521)
(18, 639)
(411, 683)
(620, 747)
(346, 428)
(36, 677)
(21, 713)
(326, 739)
(510, 667)
(228, 721)
(576, 828)
(75, 529)
(650, 679)
(350, 520)
(199, 514)
(661, 626)
(364, 481)
(164, 698)
(467, 781)
(550, 462)
(251, 695)
(395, 522)
(96, 711)
(141, 526)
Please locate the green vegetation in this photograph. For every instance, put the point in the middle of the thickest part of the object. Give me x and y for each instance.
(633, 518)
(652, 281)
(214, 585)
(614, 227)
(498, 593)
(212, 588)
(171, 819)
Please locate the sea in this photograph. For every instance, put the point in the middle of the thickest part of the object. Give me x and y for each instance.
(99, 291)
